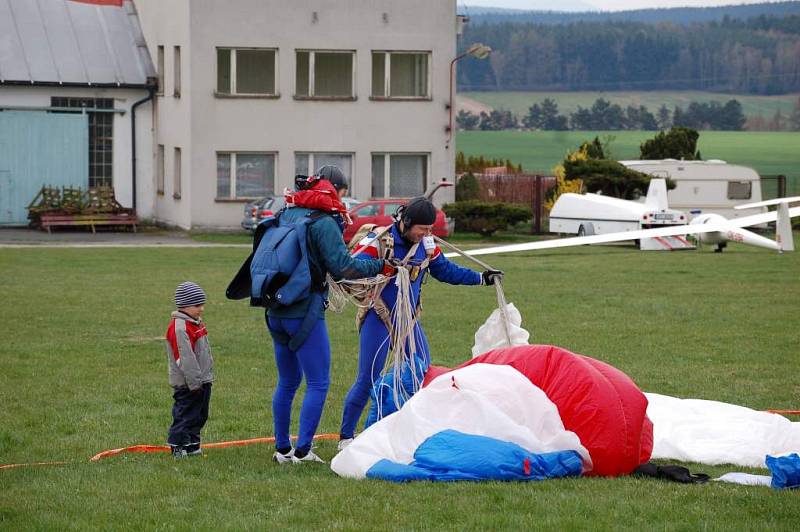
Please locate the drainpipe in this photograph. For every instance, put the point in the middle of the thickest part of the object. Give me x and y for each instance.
(151, 91)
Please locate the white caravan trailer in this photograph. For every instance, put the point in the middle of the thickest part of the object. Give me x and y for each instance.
(704, 187)
(595, 214)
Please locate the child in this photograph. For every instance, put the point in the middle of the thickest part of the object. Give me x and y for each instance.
(191, 370)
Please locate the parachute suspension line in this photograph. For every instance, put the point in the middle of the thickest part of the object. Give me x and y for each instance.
(404, 344)
(501, 296)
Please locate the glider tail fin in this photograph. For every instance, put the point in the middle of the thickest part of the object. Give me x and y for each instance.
(783, 228)
(657, 195)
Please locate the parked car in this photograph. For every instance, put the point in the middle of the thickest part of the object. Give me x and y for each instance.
(380, 211)
(350, 202)
(256, 211)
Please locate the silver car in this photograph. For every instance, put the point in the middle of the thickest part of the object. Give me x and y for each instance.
(256, 211)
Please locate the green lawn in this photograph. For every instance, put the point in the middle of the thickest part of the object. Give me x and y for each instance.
(770, 153)
(568, 102)
(83, 370)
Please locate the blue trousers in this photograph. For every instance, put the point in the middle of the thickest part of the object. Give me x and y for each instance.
(372, 352)
(312, 359)
(189, 415)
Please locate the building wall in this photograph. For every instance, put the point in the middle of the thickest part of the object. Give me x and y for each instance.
(166, 23)
(206, 124)
(39, 96)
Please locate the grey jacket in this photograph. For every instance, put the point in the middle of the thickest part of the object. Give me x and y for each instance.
(188, 352)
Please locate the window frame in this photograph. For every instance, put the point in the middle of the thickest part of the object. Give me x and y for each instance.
(313, 165)
(176, 71)
(387, 155)
(232, 195)
(160, 168)
(387, 76)
(160, 69)
(233, 63)
(177, 172)
(311, 78)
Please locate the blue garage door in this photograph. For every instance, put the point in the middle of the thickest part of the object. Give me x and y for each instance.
(36, 149)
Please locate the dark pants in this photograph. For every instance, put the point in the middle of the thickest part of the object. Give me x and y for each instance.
(189, 414)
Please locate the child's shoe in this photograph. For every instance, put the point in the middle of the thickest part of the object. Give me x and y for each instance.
(193, 449)
(282, 458)
(178, 452)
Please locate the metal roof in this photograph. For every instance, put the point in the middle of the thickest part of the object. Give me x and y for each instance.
(68, 42)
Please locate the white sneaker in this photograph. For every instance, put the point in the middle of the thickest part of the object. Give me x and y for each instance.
(344, 443)
(310, 457)
(287, 458)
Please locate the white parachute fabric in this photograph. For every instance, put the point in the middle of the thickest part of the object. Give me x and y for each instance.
(711, 432)
(492, 334)
(481, 399)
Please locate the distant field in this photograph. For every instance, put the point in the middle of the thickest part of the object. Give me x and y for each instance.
(568, 102)
(768, 152)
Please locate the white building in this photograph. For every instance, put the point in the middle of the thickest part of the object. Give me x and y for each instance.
(71, 73)
(253, 92)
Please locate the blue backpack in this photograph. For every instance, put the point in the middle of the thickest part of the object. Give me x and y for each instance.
(277, 272)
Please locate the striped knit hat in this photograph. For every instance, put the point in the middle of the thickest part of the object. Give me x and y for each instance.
(189, 294)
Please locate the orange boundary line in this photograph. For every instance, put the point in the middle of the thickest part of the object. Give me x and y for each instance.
(785, 412)
(12, 466)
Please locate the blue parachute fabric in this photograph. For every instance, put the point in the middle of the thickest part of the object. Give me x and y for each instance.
(452, 455)
(785, 471)
(382, 393)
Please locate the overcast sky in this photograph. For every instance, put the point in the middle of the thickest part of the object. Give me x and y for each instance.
(607, 5)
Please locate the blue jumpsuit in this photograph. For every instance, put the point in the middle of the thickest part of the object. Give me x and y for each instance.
(374, 338)
(327, 252)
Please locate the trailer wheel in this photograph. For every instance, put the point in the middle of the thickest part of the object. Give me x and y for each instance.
(581, 231)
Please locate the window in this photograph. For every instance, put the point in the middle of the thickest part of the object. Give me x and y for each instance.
(160, 72)
(401, 75)
(308, 163)
(176, 67)
(160, 170)
(176, 176)
(401, 174)
(367, 210)
(245, 175)
(246, 71)
(739, 190)
(325, 74)
(101, 135)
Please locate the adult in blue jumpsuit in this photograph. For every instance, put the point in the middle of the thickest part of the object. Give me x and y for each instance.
(327, 253)
(414, 224)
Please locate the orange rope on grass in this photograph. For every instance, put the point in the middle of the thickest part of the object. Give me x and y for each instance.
(166, 449)
(785, 412)
(217, 445)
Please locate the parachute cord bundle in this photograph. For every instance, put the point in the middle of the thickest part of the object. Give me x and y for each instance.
(356, 291)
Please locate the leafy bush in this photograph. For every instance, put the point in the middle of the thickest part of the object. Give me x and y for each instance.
(484, 217)
(467, 188)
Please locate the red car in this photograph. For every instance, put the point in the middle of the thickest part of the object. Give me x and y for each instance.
(380, 211)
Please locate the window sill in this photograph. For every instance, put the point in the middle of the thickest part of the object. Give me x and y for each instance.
(401, 99)
(226, 96)
(235, 200)
(176, 196)
(160, 192)
(327, 98)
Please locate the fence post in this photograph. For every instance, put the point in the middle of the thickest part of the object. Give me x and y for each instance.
(781, 186)
(537, 205)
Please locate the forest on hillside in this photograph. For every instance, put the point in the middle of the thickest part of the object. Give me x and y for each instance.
(759, 55)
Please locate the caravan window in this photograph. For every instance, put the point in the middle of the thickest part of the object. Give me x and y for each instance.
(739, 190)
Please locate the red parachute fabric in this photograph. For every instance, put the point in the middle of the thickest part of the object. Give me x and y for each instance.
(596, 401)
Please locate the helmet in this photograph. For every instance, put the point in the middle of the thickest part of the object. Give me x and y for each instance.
(332, 174)
(418, 211)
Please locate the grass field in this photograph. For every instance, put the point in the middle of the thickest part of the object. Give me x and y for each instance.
(83, 370)
(768, 152)
(568, 102)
